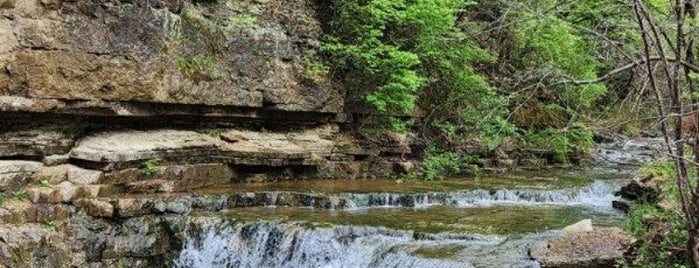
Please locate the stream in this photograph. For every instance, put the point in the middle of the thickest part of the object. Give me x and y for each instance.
(459, 222)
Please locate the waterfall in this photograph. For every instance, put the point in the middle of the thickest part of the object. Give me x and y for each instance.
(218, 242)
(597, 194)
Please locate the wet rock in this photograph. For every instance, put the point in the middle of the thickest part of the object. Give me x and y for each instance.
(642, 187)
(581, 249)
(621, 205)
(130, 207)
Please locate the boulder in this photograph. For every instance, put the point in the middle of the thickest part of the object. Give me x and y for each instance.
(581, 226)
(580, 248)
(641, 187)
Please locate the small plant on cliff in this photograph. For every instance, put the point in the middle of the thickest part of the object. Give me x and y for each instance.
(20, 194)
(199, 68)
(315, 72)
(127, 231)
(52, 224)
(149, 167)
(45, 183)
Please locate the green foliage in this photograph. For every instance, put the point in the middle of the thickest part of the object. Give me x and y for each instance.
(438, 165)
(662, 232)
(127, 231)
(199, 68)
(658, 248)
(550, 42)
(149, 167)
(52, 224)
(45, 183)
(562, 141)
(315, 72)
(407, 53)
(20, 194)
(243, 20)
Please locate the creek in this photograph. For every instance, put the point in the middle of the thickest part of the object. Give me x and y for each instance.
(459, 222)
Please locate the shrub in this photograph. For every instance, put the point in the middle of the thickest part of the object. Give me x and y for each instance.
(562, 141)
(438, 165)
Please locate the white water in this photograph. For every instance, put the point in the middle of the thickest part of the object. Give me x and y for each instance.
(219, 243)
(598, 194)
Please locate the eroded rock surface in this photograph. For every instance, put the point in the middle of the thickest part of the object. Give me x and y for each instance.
(581, 247)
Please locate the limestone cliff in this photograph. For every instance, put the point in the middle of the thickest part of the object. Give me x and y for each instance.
(114, 113)
(63, 56)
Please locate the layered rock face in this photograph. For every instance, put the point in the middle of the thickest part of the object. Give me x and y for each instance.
(59, 56)
(114, 113)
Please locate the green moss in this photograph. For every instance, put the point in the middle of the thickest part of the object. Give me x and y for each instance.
(444, 252)
(243, 20)
(199, 68)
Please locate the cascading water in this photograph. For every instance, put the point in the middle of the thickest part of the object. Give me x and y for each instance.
(597, 194)
(217, 242)
(355, 238)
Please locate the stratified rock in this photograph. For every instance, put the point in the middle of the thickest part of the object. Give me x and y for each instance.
(56, 159)
(34, 142)
(97, 208)
(82, 176)
(15, 174)
(72, 50)
(130, 146)
(30, 245)
(150, 187)
(186, 177)
(602, 247)
(52, 174)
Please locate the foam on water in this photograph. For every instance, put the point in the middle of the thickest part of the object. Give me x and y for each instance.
(222, 243)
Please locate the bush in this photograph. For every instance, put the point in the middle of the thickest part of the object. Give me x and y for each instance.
(562, 141)
(438, 165)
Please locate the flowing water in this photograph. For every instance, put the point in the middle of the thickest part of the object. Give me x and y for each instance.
(487, 222)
